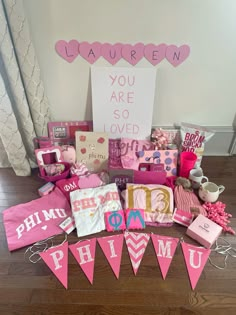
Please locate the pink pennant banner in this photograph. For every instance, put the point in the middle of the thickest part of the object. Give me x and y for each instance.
(195, 259)
(136, 244)
(84, 253)
(112, 249)
(57, 260)
(165, 249)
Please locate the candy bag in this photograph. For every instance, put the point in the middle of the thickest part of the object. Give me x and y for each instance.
(193, 139)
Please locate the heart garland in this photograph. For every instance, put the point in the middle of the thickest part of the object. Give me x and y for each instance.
(91, 52)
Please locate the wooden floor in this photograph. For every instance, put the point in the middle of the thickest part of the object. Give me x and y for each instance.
(31, 289)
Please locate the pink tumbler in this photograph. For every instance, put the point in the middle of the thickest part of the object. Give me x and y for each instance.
(187, 162)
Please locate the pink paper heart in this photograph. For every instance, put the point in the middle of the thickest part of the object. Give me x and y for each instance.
(176, 55)
(133, 53)
(90, 181)
(112, 53)
(69, 51)
(90, 52)
(155, 53)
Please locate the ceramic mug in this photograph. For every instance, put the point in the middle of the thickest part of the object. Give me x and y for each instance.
(196, 177)
(209, 192)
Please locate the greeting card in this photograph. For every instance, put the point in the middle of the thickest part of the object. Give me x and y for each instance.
(92, 150)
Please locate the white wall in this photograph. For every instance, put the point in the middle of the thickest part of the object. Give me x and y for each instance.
(201, 90)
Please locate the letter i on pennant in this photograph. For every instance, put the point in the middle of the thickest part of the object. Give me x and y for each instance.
(195, 259)
(84, 253)
(112, 249)
(57, 260)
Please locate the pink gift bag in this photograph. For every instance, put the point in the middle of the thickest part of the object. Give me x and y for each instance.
(36, 220)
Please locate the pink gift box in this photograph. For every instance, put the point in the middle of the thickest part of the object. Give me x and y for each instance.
(46, 189)
(204, 231)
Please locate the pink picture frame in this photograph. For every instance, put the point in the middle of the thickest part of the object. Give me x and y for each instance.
(63, 132)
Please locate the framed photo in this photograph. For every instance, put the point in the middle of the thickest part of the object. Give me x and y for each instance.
(63, 132)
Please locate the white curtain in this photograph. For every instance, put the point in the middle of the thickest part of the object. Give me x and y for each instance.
(24, 108)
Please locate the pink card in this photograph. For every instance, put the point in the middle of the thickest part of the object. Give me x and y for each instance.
(67, 50)
(92, 150)
(166, 157)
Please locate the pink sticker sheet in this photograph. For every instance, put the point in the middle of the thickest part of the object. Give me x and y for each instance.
(84, 253)
(136, 245)
(195, 258)
(112, 249)
(165, 249)
(56, 259)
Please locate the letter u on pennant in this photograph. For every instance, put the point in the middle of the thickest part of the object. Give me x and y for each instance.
(195, 259)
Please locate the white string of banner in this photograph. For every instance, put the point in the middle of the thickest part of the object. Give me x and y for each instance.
(225, 249)
(40, 247)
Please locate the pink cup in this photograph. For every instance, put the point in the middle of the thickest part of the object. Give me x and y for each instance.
(187, 162)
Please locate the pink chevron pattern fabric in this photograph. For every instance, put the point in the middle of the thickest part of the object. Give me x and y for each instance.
(136, 244)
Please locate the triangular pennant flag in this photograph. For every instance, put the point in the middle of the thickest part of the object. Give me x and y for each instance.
(84, 253)
(195, 259)
(57, 260)
(112, 249)
(165, 249)
(136, 244)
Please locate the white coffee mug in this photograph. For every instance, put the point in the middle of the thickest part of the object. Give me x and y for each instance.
(196, 177)
(209, 192)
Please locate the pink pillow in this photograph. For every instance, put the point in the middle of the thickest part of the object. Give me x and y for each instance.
(36, 220)
(129, 147)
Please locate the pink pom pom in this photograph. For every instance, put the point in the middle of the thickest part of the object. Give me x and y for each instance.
(216, 212)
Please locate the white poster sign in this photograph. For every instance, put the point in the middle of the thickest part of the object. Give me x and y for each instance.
(123, 101)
